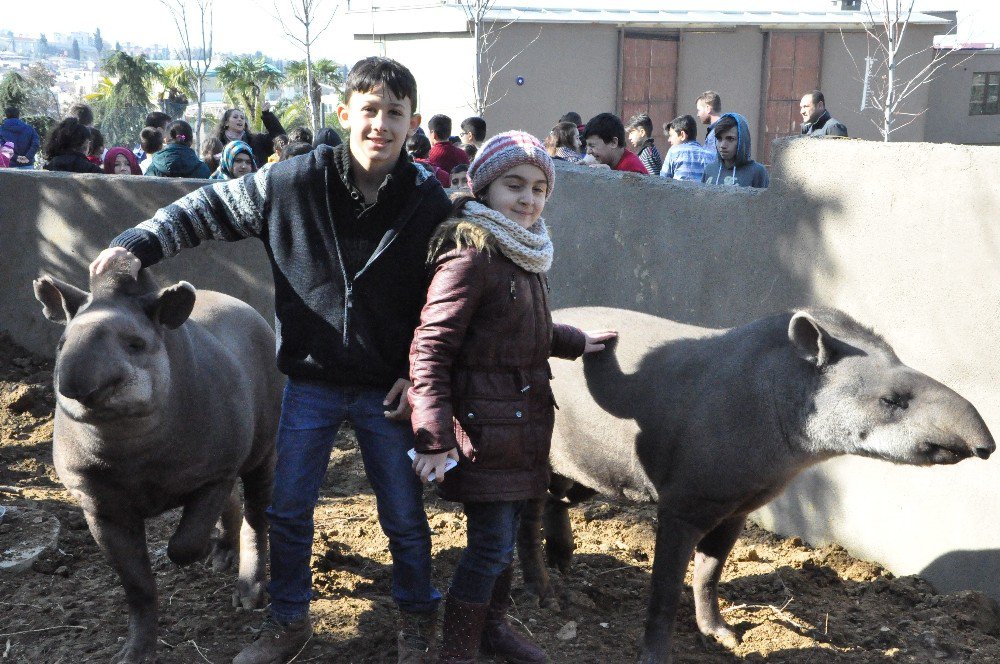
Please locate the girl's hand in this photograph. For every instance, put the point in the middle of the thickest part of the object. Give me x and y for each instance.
(113, 255)
(596, 339)
(425, 464)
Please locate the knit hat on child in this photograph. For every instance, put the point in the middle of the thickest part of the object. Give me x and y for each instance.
(505, 151)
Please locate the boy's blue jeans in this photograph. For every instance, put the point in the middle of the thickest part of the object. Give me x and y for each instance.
(492, 534)
(311, 413)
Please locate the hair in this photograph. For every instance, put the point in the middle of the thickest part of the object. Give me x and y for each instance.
(158, 119)
(150, 139)
(211, 149)
(573, 117)
(419, 146)
(300, 135)
(180, 131)
(440, 125)
(817, 97)
(81, 112)
(368, 74)
(475, 126)
(640, 121)
(561, 137)
(96, 142)
(327, 136)
(470, 150)
(279, 142)
(294, 149)
(725, 123)
(67, 136)
(460, 168)
(12, 112)
(605, 126)
(220, 133)
(685, 123)
(711, 99)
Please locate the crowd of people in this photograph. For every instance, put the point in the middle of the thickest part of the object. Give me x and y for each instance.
(451, 367)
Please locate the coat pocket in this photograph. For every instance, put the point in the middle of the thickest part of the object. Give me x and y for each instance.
(497, 429)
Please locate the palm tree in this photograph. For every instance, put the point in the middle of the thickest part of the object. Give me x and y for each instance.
(245, 81)
(178, 90)
(324, 72)
(122, 110)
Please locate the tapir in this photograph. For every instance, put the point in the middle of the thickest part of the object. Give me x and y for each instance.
(712, 424)
(164, 398)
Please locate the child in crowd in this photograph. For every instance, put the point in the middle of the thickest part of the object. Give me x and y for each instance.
(460, 176)
(640, 135)
(295, 149)
(735, 166)
(418, 147)
(605, 139)
(346, 230)
(211, 152)
(236, 161)
(66, 147)
(563, 143)
(235, 126)
(686, 159)
(481, 353)
(150, 142)
(177, 159)
(300, 135)
(470, 151)
(121, 161)
(279, 144)
(96, 153)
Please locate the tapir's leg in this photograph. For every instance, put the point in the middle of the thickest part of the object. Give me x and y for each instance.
(675, 540)
(253, 537)
(559, 544)
(709, 558)
(123, 541)
(529, 549)
(226, 548)
(193, 538)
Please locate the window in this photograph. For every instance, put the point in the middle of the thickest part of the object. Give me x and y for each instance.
(985, 93)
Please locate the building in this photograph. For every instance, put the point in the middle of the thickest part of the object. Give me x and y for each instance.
(965, 98)
(590, 57)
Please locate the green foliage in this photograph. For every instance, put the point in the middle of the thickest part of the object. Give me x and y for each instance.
(122, 98)
(98, 41)
(29, 90)
(42, 123)
(14, 90)
(333, 122)
(75, 50)
(245, 81)
(324, 72)
(292, 112)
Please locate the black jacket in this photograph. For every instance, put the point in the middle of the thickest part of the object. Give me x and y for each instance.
(262, 144)
(825, 125)
(334, 326)
(73, 162)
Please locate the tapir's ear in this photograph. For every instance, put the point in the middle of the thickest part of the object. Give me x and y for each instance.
(171, 306)
(60, 301)
(809, 339)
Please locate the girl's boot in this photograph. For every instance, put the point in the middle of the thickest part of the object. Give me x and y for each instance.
(499, 636)
(462, 631)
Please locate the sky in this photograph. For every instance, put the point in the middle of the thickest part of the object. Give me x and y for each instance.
(245, 26)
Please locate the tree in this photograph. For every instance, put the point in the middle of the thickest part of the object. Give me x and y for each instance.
(122, 110)
(323, 72)
(306, 23)
(118, 46)
(178, 84)
(193, 21)
(890, 78)
(98, 41)
(29, 90)
(14, 90)
(75, 50)
(245, 81)
(486, 34)
(43, 44)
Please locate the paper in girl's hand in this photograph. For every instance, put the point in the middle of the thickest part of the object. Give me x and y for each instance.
(448, 464)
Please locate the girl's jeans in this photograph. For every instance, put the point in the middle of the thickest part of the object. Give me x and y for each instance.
(492, 532)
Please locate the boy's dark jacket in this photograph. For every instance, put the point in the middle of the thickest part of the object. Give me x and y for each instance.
(23, 136)
(332, 326)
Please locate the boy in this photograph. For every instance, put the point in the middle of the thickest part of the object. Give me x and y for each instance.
(604, 136)
(640, 135)
(686, 159)
(732, 138)
(460, 177)
(346, 229)
(473, 131)
(444, 154)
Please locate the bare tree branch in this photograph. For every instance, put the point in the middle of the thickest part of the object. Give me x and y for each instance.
(197, 56)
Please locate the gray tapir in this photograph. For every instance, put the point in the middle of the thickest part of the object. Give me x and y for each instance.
(163, 401)
(712, 424)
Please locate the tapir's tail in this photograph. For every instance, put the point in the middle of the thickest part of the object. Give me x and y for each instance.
(609, 386)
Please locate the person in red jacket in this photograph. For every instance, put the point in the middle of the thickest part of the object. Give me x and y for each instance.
(604, 137)
(444, 154)
(480, 358)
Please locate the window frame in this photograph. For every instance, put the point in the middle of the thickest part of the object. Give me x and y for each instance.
(980, 104)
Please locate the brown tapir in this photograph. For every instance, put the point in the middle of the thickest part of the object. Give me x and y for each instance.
(712, 424)
(163, 400)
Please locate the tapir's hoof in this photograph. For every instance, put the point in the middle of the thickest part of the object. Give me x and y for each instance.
(135, 655)
(222, 557)
(725, 637)
(650, 657)
(249, 595)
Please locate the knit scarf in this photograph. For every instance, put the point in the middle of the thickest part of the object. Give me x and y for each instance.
(529, 248)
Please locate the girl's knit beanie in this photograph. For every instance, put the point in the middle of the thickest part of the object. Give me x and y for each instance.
(505, 151)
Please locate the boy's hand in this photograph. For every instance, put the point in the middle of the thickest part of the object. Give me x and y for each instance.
(425, 464)
(265, 107)
(400, 390)
(596, 339)
(113, 255)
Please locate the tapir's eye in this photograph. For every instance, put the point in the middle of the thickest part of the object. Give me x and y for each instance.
(894, 401)
(136, 344)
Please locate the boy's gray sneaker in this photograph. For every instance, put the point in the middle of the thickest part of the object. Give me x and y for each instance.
(277, 643)
(417, 638)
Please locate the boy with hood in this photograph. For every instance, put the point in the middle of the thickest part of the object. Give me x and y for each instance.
(735, 166)
(22, 135)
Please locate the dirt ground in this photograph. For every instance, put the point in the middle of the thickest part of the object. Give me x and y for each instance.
(788, 602)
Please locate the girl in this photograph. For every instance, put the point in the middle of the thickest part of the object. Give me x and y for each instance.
(66, 148)
(235, 126)
(480, 357)
(236, 161)
(563, 142)
(211, 152)
(121, 161)
(177, 159)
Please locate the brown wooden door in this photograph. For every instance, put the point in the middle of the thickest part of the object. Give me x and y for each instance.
(649, 78)
(792, 68)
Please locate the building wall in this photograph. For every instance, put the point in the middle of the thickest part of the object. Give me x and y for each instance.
(948, 119)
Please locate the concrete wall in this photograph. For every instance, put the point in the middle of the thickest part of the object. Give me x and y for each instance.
(913, 252)
(948, 119)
